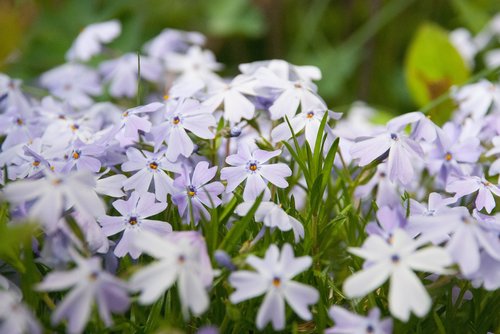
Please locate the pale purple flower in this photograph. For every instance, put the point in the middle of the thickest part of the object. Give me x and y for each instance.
(273, 215)
(351, 323)
(89, 41)
(292, 93)
(469, 236)
(194, 192)
(397, 260)
(476, 99)
(122, 73)
(387, 193)
(18, 127)
(253, 167)
(111, 185)
(55, 193)
(181, 259)
(436, 206)
(182, 115)
(172, 40)
(132, 124)
(89, 284)
(494, 151)
(15, 317)
(307, 119)
(150, 167)
(194, 65)
(273, 277)
(463, 41)
(60, 81)
(466, 185)
(402, 152)
(232, 96)
(83, 157)
(488, 274)
(133, 222)
(11, 95)
(389, 220)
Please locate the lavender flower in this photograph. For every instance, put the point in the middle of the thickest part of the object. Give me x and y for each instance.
(89, 284)
(272, 215)
(351, 323)
(150, 167)
(195, 191)
(133, 223)
(15, 317)
(182, 115)
(181, 259)
(274, 278)
(132, 124)
(389, 220)
(466, 185)
(397, 261)
(251, 166)
(88, 43)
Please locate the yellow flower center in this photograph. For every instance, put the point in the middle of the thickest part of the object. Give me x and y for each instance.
(253, 167)
(276, 282)
(448, 157)
(76, 155)
(176, 120)
(310, 114)
(36, 163)
(132, 221)
(153, 166)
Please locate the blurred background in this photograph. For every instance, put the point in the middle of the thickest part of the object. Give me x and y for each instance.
(363, 47)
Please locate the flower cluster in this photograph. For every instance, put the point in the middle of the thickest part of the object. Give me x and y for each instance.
(171, 202)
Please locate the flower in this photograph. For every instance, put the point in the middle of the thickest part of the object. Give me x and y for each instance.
(470, 235)
(272, 215)
(274, 278)
(182, 115)
(402, 152)
(230, 95)
(150, 167)
(89, 283)
(389, 220)
(15, 317)
(196, 192)
(351, 323)
(88, 42)
(83, 157)
(476, 99)
(194, 65)
(55, 193)
(179, 258)
(172, 40)
(397, 260)
(466, 185)
(308, 119)
(133, 223)
(251, 166)
(122, 73)
(132, 124)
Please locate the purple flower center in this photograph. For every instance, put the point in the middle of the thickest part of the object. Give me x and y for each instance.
(370, 329)
(153, 165)
(132, 220)
(176, 120)
(395, 258)
(19, 121)
(394, 136)
(191, 191)
(277, 282)
(252, 166)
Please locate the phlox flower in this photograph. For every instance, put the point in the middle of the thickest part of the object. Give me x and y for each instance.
(402, 151)
(397, 260)
(89, 284)
(273, 215)
(194, 192)
(122, 73)
(466, 185)
(60, 81)
(253, 167)
(468, 235)
(132, 123)
(18, 126)
(194, 65)
(89, 41)
(83, 157)
(351, 323)
(15, 317)
(387, 193)
(273, 277)
(182, 115)
(181, 259)
(476, 99)
(292, 93)
(11, 95)
(232, 96)
(133, 222)
(389, 220)
(56, 192)
(307, 119)
(172, 40)
(150, 167)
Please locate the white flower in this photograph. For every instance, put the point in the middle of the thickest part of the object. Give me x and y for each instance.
(181, 259)
(274, 278)
(397, 260)
(272, 215)
(88, 43)
(15, 317)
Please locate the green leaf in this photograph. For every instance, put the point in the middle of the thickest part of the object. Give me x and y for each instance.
(433, 65)
(473, 15)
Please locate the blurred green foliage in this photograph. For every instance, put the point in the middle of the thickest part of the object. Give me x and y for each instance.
(360, 45)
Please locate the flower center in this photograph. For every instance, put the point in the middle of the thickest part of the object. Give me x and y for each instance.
(153, 165)
(93, 275)
(125, 114)
(74, 127)
(19, 121)
(176, 120)
(395, 258)
(76, 155)
(370, 329)
(181, 259)
(191, 191)
(448, 157)
(276, 282)
(253, 166)
(36, 163)
(394, 136)
(132, 220)
(56, 182)
(310, 114)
